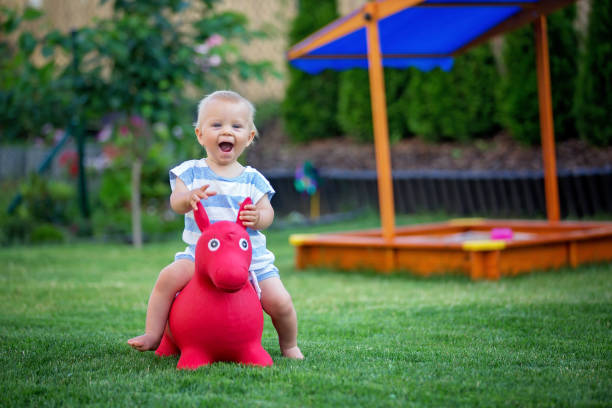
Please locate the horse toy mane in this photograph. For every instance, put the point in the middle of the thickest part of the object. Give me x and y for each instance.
(217, 316)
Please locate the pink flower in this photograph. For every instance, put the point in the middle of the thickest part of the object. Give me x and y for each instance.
(98, 163)
(201, 49)
(137, 121)
(123, 130)
(57, 136)
(69, 160)
(105, 134)
(214, 60)
(111, 152)
(214, 40)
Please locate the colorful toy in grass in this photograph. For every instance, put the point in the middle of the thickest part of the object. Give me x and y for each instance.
(217, 316)
(307, 181)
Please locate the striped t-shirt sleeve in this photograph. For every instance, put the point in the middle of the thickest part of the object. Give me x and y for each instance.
(261, 186)
(184, 171)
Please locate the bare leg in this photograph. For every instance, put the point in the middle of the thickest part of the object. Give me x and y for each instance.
(276, 301)
(171, 279)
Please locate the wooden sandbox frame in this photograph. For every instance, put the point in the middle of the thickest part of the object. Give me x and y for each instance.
(424, 250)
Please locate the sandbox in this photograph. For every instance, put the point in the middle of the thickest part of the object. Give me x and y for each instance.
(472, 247)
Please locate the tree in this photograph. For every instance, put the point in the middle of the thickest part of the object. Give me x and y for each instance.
(594, 93)
(31, 95)
(455, 105)
(310, 103)
(519, 90)
(143, 59)
(354, 103)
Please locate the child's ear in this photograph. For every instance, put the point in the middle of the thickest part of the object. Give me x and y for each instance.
(251, 137)
(198, 133)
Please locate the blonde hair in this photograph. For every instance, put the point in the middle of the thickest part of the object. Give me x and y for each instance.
(228, 96)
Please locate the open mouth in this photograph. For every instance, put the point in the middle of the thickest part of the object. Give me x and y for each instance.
(226, 146)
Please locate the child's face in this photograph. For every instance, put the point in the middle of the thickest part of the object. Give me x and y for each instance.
(224, 130)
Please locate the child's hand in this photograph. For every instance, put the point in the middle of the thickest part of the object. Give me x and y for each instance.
(198, 194)
(250, 216)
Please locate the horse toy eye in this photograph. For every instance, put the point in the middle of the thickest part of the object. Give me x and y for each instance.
(214, 244)
(244, 244)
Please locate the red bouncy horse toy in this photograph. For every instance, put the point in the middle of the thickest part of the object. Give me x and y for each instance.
(217, 316)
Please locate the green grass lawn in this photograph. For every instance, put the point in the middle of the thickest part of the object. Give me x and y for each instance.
(538, 340)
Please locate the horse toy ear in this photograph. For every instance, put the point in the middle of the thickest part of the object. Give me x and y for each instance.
(201, 218)
(246, 201)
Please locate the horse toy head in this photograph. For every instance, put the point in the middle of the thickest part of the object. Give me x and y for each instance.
(223, 251)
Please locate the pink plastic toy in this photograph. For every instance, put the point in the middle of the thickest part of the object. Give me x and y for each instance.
(217, 316)
(502, 233)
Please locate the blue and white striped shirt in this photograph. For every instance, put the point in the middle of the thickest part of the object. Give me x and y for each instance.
(224, 206)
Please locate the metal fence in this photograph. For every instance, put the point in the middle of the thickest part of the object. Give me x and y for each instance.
(16, 162)
(582, 193)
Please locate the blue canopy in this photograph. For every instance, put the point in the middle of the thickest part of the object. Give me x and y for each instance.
(415, 33)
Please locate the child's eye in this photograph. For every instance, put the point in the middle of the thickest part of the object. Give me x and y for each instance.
(237, 126)
(216, 124)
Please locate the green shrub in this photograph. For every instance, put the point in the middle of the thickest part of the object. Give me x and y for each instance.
(110, 223)
(267, 113)
(114, 189)
(47, 233)
(310, 103)
(396, 86)
(519, 90)
(594, 93)
(355, 106)
(31, 94)
(47, 209)
(15, 229)
(48, 201)
(111, 217)
(455, 105)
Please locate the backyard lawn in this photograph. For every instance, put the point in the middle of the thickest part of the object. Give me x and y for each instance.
(538, 340)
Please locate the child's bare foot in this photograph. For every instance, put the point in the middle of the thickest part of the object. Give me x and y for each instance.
(145, 342)
(293, 352)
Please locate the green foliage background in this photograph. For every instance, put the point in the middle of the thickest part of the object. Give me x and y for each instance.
(354, 106)
(518, 97)
(594, 94)
(309, 107)
(134, 76)
(456, 105)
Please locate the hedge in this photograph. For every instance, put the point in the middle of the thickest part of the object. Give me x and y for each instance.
(518, 97)
(456, 105)
(594, 93)
(309, 107)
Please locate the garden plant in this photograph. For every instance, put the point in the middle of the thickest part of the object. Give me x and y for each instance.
(133, 80)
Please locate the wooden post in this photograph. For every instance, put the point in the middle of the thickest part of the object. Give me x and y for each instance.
(379, 118)
(547, 130)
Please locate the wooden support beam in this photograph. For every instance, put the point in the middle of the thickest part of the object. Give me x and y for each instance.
(379, 118)
(547, 130)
